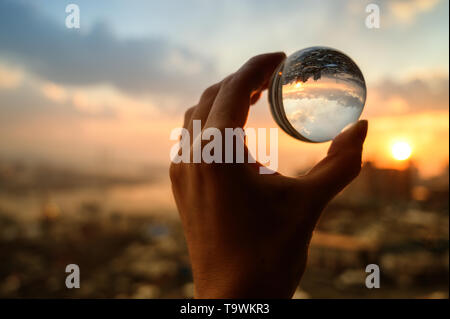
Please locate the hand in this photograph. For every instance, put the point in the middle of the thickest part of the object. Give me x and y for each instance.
(247, 233)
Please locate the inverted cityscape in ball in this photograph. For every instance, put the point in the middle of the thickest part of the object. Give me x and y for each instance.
(315, 93)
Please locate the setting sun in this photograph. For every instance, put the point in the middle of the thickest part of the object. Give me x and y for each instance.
(401, 151)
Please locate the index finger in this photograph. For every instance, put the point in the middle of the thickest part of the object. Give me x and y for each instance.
(230, 109)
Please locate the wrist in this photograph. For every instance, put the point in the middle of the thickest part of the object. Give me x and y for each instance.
(243, 286)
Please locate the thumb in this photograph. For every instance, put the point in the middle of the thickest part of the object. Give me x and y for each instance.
(342, 163)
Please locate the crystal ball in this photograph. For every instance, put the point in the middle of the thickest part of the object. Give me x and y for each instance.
(315, 93)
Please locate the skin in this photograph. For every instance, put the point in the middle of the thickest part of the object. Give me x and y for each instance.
(247, 233)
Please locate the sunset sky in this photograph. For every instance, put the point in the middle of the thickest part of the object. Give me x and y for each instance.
(120, 83)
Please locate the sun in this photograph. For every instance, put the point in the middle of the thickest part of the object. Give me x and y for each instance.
(401, 151)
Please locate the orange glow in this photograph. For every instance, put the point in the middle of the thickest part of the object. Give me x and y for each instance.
(426, 132)
(324, 84)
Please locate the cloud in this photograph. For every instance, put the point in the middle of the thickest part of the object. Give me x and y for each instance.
(10, 78)
(46, 100)
(406, 10)
(319, 119)
(391, 97)
(348, 97)
(54, 92)
(75, 57)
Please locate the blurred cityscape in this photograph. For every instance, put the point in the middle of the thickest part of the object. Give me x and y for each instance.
(127, 248)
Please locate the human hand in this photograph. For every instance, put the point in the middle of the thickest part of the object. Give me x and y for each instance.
(248, 233)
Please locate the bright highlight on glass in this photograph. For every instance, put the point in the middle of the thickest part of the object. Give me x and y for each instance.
(315, 93)
(401, 151)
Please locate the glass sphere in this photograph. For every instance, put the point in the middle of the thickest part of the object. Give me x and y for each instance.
(315, 93)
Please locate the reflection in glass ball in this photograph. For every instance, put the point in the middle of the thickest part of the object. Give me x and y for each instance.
(317, 92)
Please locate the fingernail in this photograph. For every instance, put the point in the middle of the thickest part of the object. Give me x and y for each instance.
(278, 56)
(280, 53)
